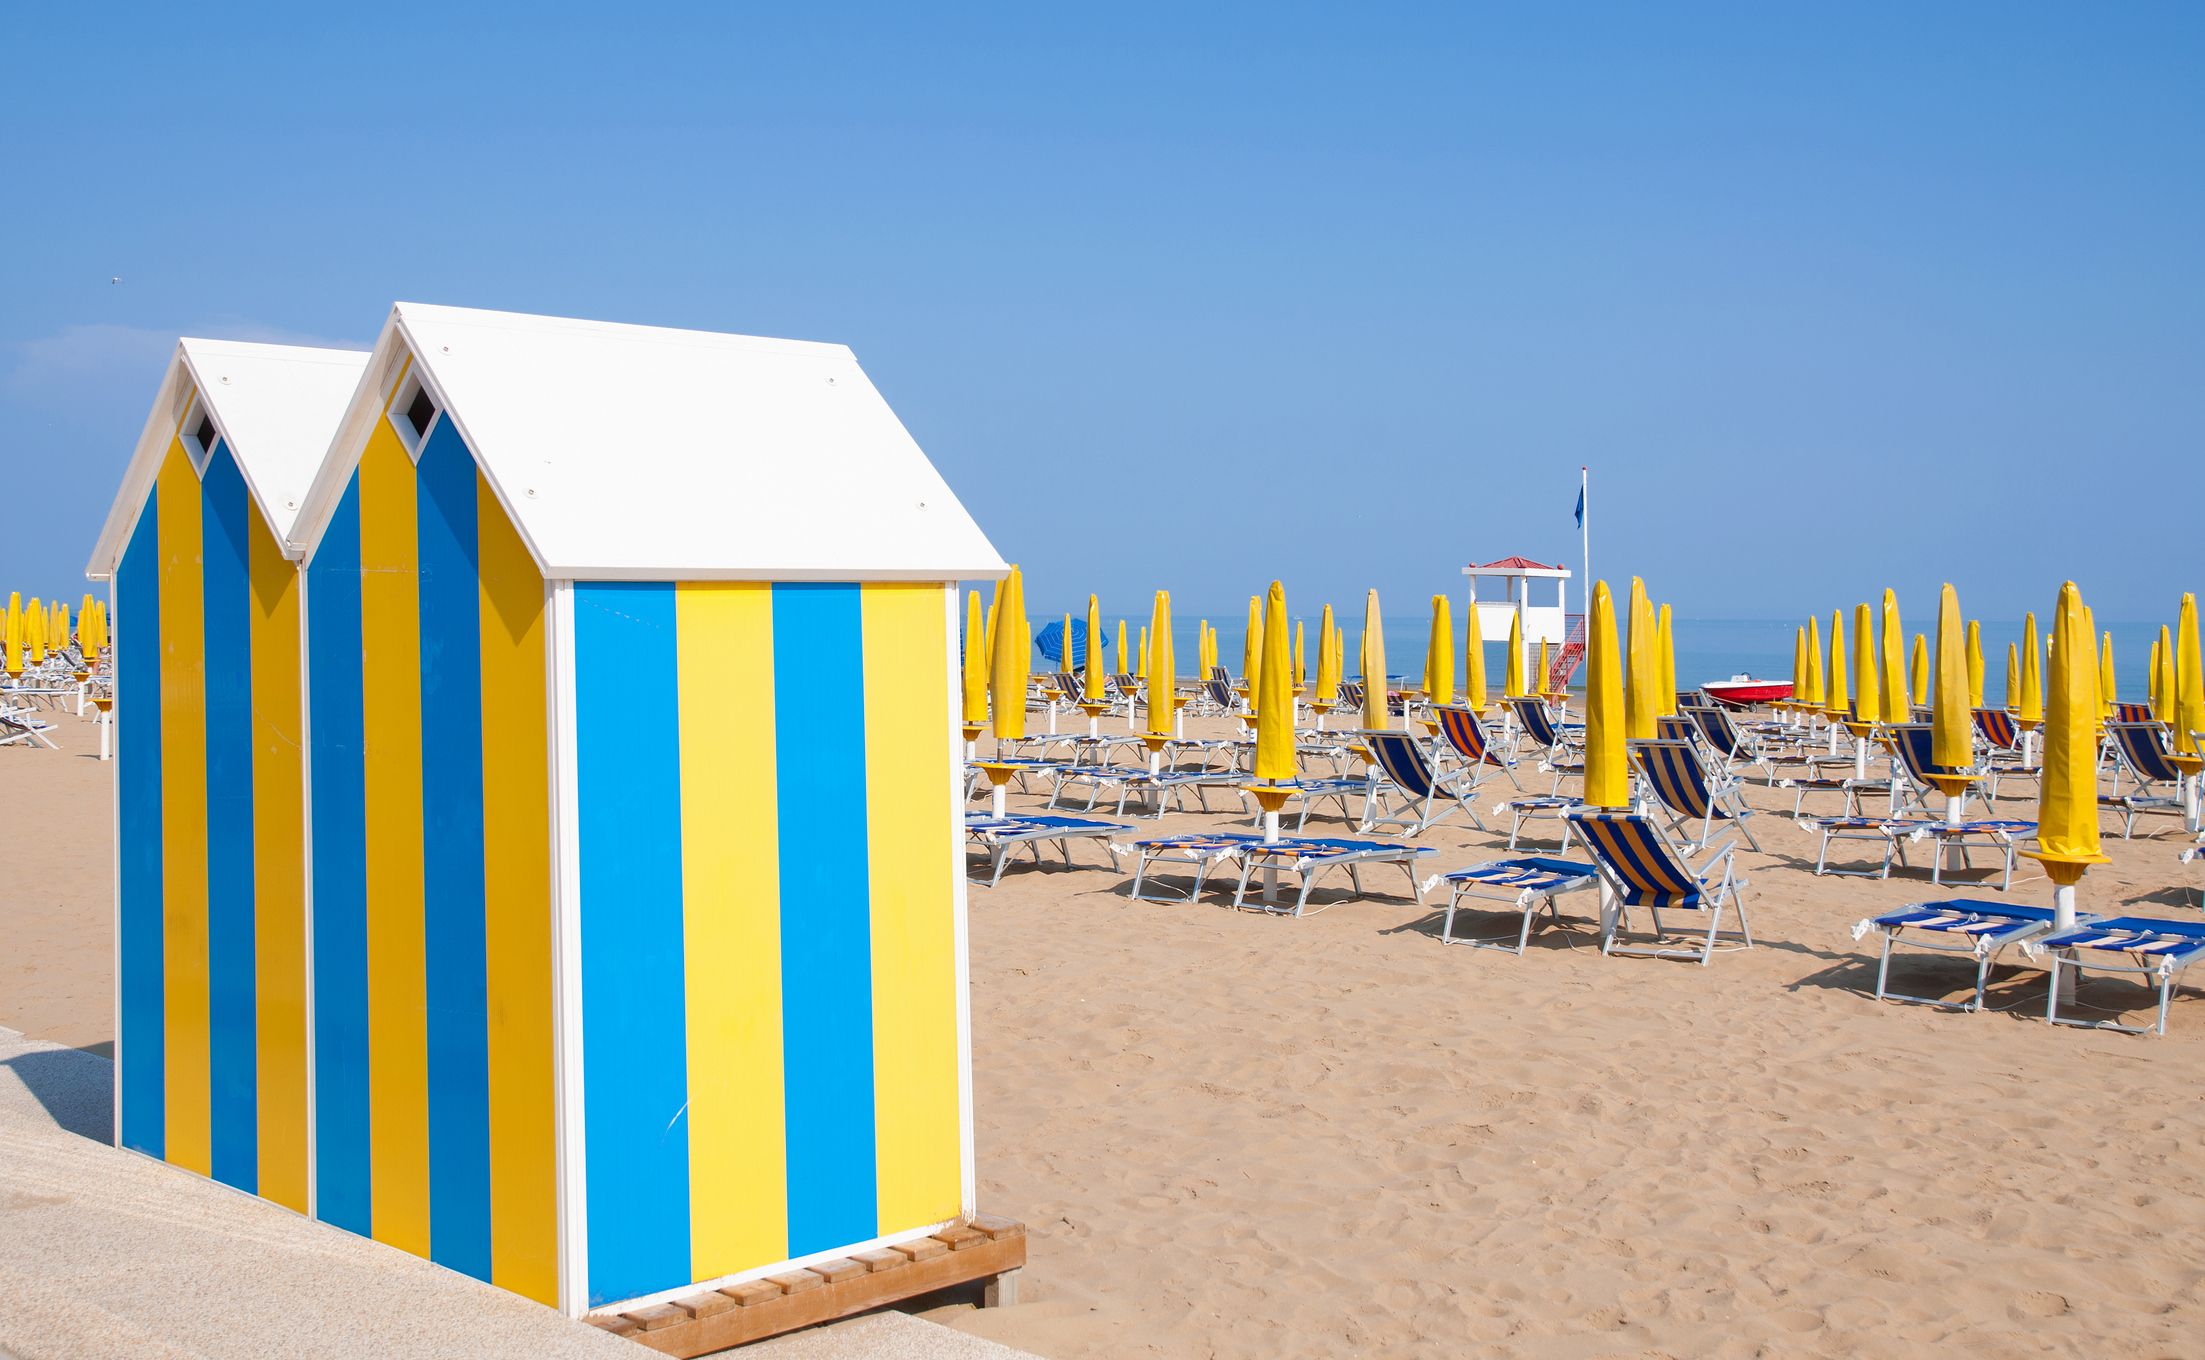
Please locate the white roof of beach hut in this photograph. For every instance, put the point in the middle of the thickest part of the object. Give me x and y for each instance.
(273, 405)
(643, 453)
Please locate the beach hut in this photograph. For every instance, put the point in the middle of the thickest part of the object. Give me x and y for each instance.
(637, 895)
(210, 964)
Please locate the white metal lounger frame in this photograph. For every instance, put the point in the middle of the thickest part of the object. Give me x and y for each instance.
(1310, 867)
(999, 842)
(1987, 934)
(2161, 960)
(1539, 894)
(1202, 853)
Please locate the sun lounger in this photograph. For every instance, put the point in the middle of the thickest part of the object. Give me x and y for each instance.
(2001, 833)
(1671, 771)
(2157, 951)
(1129, 780)
(1348, 794)
(1521, 810)
(1887, 832)
(1310, 857)
(997, 837)
(1202, 852)
(1962, 925)
(1528, 885)
(1643, 869)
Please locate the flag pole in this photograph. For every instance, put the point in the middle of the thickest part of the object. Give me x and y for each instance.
(1584, 526)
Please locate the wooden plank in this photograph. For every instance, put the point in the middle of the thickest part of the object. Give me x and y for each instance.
(705, 1304)
(655, 1316)
(797, 1281)
(880, 1260)
(928, 1266)
(837, 1270)
(996, 1226)
(614, 1323)
(960, 1238)
(751, 1292)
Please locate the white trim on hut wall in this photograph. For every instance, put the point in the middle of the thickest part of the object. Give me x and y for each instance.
(114, 860)
(571, 1154)
(953, 730)
(306, 893)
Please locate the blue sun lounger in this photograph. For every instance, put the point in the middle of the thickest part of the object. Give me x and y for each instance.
(1887, 832)
(1310, 857)
(997, 837)
(1520, 810)
(1528, 885)
(2158, 951)
(1202, 852)
(1979, 929)
(1644, 869)
(1129, 780)
(2001, 832)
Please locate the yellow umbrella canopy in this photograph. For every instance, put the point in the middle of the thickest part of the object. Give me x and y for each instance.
(1064, 645)
(1665, 659)
(976, 662)
(1140, 655)
(61, 625)
(2189, 683)
(11, 650)
(1473, 655)
(2067, 806)
(1641, 684)
(34, 631)
(1161, 683)
(1374, 665)
(1205, 650)
(2106, 675)
(1544, 676)
(1092, 681)
(2031, 707)
(1124, 658)
(1301, 672)
(1439, 660)
(1328, 660)
(1921, 667)
(1951, 720)
(1007, 663)
(2013, 678)
(1814, 694)
(2162, 675)
(1975, 664)
(1896, 706)
(1799, 664)
(1867, 690)
(1275, 697)
(1835, 701)
(1512, 674)
(1607, 768)
(1251, 649)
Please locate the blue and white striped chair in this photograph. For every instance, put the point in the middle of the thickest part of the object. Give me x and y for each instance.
(2144, 754)
(1672, 773)
(996, 838)
(1979, 929)
(1643, 869)
(2157, 950)
(1529, 885)
(1412, 794)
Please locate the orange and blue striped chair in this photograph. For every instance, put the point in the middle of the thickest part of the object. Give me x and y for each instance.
(1672, 772)
(1465, 736)
(1408, 791)
(1642, 868)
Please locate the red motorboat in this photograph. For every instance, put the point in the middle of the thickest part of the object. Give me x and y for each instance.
(1743, 691)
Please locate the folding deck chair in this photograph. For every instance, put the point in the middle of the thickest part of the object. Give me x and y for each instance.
(1729, 741)
(997, 837)
(1309, 857)
(1560, 743)
(1672, 772)
(1529, 886)
(1420, 794)
(1977, 928)
(1464, 733)
(2158, 951)
(2142, 750)
(1642, 868)
(2000, 739)
(18, 727)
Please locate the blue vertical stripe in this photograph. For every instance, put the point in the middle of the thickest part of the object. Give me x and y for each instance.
(635, 1057)
(338, 784)
(226, 516)
(451, 858)
(826, 911)
(143, 1037)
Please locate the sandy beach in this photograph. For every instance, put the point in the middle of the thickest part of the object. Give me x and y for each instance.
(1237, 1135)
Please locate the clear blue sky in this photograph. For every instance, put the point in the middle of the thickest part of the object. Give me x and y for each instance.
(1829, 298)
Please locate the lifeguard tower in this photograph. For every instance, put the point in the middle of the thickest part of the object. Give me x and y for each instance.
(1504, 589)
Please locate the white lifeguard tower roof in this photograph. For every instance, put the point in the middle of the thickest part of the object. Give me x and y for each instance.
(627, 452)
(274, 407)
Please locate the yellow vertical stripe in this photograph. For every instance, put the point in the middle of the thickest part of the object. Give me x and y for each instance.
(390, 628)
(731, 926)
(913, 864)
(516, 890)
(279, 870)
(184, 812)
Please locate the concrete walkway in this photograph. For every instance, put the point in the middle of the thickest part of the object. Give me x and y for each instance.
(105, 1253)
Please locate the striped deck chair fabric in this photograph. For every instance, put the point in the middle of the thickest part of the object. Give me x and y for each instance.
(1465, 735)
(1912, 745)
(1412, 794)
(2143, 753)
(1643, 869)
(1351, 694)
(2158, 951)
(1728, 740)
(2126, 711)
(1982, 930)
(1672, 772)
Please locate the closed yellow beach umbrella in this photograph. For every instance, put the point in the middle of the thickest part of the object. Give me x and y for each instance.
(11, 648)
(1275, 697)
(2031, 707)
(1512, 674)
(61, 625)
(1641, 697)
(1867, 689)
(1064, 645)
(976, 664)
(2067, 804)
(1301, 673)
(995, 608)
(2013, 678)
(1799, 664)
(1835, 701)
(1896, 705)
(1607, 768)
(1202, 650)
(1091, 680)
(1951, 719)
(2162, 675)
(1975, 664)
(1161, 683)
(34, 631)
(1374, 666)
(1815, 693)
(1439, 661)
(1544, 676)
(1251, 651)
(1921, 669)
(1328, 660)
(1007, 663)
(2189, 683)
(1124, 658)
(1665, 660)
(2106, 676)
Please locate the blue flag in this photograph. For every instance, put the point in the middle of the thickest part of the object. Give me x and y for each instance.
(1580, 507)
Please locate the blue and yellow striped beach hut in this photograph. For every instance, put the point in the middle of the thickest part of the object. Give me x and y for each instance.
(211, 1045)
(636, 894)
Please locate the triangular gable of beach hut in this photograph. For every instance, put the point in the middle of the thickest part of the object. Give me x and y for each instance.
(626, 452)
(272, 406)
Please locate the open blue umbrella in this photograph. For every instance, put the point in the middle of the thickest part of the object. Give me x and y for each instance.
(1050, 643)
